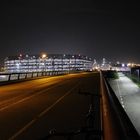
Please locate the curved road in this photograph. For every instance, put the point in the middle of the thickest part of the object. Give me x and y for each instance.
(28, 110)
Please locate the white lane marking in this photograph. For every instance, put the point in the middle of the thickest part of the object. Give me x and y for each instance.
(118, 88)
(123, 106)
(24, 99)
(29, 97)
(40, 115)
(121, 97)
(122, 102)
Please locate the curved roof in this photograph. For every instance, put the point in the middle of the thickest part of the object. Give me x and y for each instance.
(54, 56)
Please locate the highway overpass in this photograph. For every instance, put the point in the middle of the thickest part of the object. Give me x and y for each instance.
(30, 109)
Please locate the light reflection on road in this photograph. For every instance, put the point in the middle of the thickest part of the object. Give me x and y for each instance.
(128, 94)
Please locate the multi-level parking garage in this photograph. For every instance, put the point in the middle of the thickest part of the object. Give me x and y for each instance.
(49, 62)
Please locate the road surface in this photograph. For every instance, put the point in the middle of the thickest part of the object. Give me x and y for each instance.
(128, 94)
(28, 110)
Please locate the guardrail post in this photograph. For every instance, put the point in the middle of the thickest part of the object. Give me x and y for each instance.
(25, 75)
(18, 76)
(32, 75)
(9, 78)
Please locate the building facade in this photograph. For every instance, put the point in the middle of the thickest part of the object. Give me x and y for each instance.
(49, 62)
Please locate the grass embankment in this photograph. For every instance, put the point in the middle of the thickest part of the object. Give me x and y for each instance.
(134, 79)
(112, 75)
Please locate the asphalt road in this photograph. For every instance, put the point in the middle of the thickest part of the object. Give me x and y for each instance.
(128, 94)
(29, 110)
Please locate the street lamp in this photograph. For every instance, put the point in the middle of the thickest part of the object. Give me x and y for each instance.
(44, 56)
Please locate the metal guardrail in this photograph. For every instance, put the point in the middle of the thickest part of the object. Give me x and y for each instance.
(120, 120)
(21, 76)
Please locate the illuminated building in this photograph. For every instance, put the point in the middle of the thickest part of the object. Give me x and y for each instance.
(49, 62)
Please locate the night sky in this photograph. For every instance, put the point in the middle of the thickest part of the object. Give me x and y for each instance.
(97, 29)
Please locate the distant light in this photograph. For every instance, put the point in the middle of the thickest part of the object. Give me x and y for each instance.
(129, 64)
(123, 65)
(118, 62)
(2, 76)
(44, 56)
(17, 65)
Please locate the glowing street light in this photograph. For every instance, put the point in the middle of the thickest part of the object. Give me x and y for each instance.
(44, 56)
(123, 65)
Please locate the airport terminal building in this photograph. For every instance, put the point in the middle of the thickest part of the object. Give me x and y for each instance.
(49, 62)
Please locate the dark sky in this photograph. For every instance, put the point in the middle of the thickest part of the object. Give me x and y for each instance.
(89, 27)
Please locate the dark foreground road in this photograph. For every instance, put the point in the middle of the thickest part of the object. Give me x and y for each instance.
(28, 110)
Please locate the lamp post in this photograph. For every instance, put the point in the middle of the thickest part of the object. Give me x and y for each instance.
(44, 56)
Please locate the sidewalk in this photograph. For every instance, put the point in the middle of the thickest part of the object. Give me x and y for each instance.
(128, 94)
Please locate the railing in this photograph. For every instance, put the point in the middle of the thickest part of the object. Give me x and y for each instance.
(20, 76)
(121, 126)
